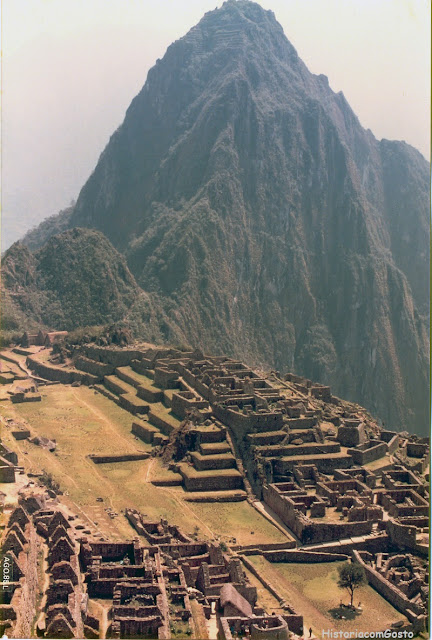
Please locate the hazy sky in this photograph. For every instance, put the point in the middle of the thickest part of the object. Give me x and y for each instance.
(71, 68)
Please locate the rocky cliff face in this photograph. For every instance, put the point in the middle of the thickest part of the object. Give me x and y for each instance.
(269, 224)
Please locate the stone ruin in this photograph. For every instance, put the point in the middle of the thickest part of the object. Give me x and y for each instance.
(156, 532)
(8, 463)
(147, 590)
(336, 479)
(402, 579)
(239, 421)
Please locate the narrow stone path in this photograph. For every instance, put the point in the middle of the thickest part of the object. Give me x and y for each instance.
(44, 586)
(212, 627)
(103, 623)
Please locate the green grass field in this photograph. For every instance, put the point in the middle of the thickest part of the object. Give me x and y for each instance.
(312, 590)
(84, 422)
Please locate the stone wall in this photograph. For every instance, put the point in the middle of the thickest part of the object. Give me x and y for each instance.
(8, 454)
(417, 449)
(29, 585)
(133, 404)
(299, 555)
(324, 463)
(126, 457)
(144, 431)
(301, 423)
(321, 392)
(111, 356)
(305, 449)
(333, 490)
(150, 395)
(242, 424)
(166, 378)
(393, 595)
(395, 502)
(185, 401)
(294, 621)
(115, 385)
(401, 535)
(215, 482)
(351, 435)
(142, 366)
(253, 549)
(98, 369)
(184, 549)
(371, 543)
(391, 438)
(310, 531)
(7, 471)
(65, 376)
(393, 479)
(161, 424)
(212, 462)
(375, 451)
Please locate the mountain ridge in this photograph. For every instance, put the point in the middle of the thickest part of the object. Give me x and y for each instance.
(249, 201)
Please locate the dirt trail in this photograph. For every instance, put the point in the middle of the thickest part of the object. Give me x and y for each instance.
(186, 507)
(212, 627)
(103, 618)
(149, 469)
(176, 497)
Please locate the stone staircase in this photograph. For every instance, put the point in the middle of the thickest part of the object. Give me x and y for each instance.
(214, 467)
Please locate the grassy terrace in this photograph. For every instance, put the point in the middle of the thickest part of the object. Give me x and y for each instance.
(140, 379)
(312, 590)
(118, 386)
(161, 411)
(83, 422)
(43, 355)
(6, 365)
(237, 520)
(193, 473)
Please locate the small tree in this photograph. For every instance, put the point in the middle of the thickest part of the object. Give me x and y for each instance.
(351, 576)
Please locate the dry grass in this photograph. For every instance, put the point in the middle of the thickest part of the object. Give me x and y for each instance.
(239, 520)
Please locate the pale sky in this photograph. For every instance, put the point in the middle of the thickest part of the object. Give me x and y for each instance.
(70, 69)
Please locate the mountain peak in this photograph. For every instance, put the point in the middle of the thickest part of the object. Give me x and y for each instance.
(243, 11)
(239, 28)
(271, 226)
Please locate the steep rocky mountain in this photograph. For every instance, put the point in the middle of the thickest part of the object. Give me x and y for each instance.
(269, 225)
